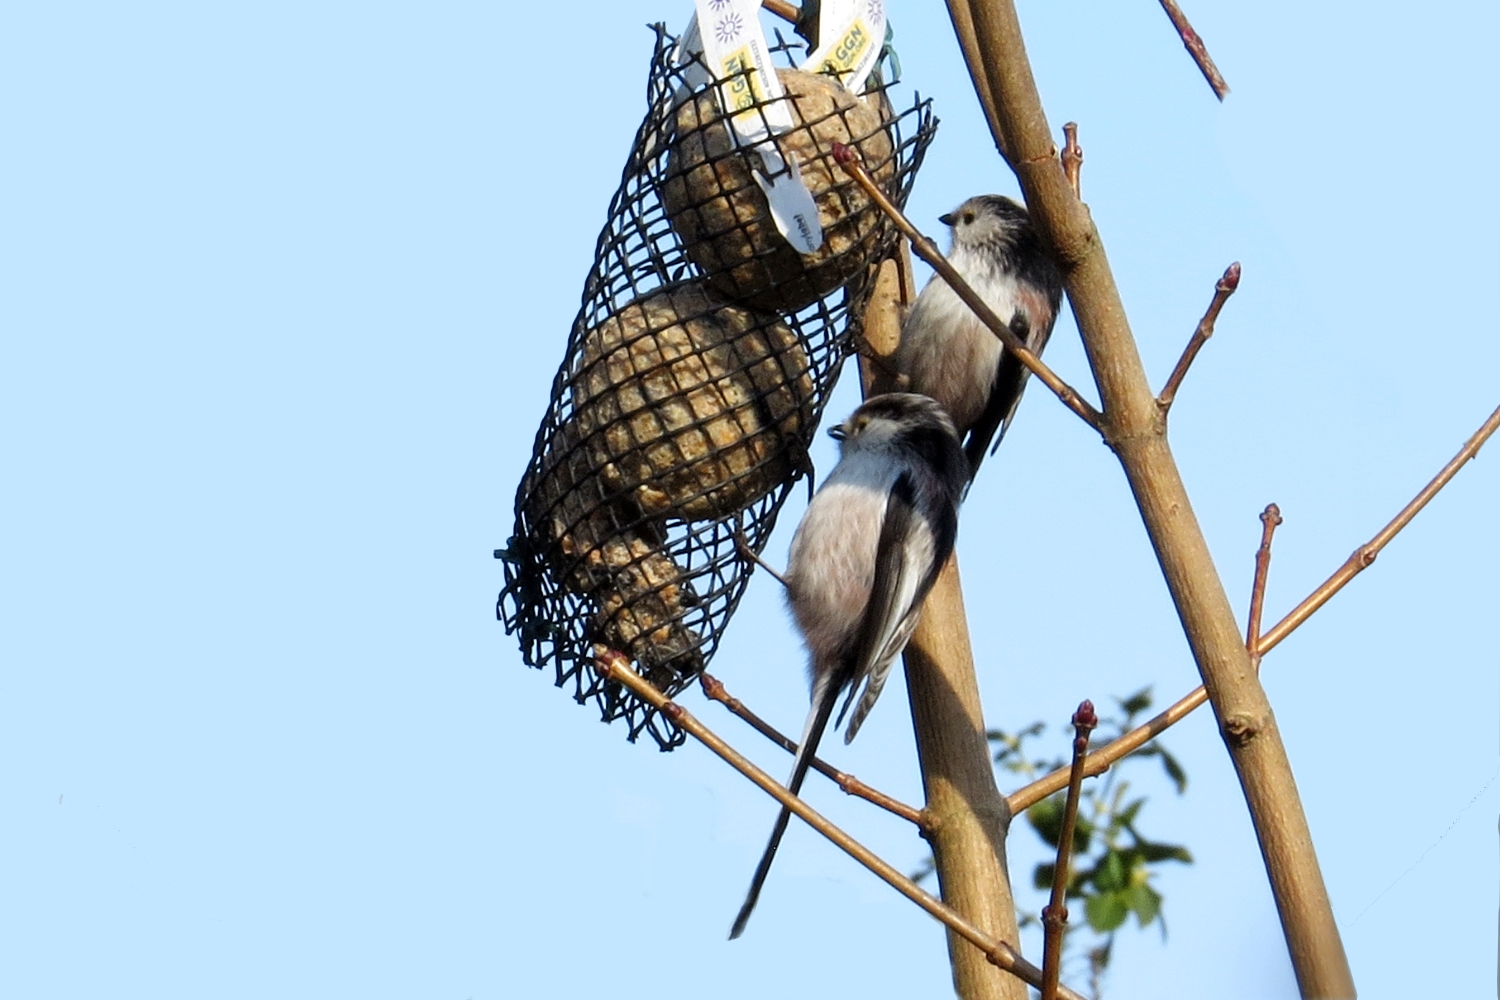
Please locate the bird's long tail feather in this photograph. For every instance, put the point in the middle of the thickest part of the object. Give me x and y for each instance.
(825, 696)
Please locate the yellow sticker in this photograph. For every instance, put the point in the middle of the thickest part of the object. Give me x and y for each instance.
(743, 87)
(849, 50)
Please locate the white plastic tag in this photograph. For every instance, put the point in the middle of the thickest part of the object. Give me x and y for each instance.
(734, 47)
(851, 34)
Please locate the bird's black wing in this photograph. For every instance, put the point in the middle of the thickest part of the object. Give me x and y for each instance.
(812, 734)
(1032, 325)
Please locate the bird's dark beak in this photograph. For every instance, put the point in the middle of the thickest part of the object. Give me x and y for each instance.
(837, 432)
(948, 220)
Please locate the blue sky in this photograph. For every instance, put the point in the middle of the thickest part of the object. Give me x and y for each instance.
(282, 290)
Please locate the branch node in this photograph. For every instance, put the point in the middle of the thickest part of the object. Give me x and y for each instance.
(1241, 728)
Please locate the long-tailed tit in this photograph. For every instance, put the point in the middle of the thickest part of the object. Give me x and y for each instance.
(946, 353)
(864, 557)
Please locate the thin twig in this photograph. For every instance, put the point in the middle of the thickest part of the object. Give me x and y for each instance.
(742, 545)
(1269, 519)
(1055, 913)
(928, 251)
(1100, 760)
(1195, 48)
(1072, 157)
(613, 666)
(1366, 553)
(786, 11)
(1103, 758)
(714, 690)
(1225, 288)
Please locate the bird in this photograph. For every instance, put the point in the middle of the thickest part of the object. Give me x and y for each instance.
(864, 556)
(948, 354)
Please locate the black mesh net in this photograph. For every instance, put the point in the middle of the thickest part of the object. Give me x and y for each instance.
(695, 376)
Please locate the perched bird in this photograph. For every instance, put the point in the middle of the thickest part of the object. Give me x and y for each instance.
(946, 353)
(864, 557)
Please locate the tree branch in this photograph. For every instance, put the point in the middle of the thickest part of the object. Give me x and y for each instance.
(614, 666)
(1195, 48)
(1100, 760)
(928, 251)
(1135, 429)
(1055, 913)
(1270, 518)
(1222, 290)
(1072, 158)
(1366, 553)
(714, 690)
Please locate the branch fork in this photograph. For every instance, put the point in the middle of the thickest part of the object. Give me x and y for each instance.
(614, 666)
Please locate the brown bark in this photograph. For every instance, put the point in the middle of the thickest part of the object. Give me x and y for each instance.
(965, 819)
(1136, 429)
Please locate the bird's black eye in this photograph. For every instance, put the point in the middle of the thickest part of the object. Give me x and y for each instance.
(968, 218)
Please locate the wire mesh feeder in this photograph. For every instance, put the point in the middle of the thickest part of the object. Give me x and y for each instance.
(696, 374)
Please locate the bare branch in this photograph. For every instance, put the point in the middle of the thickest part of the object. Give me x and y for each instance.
(1100, 760)
(1195, 48)
(714, 690)
(1269, 519)
(1225, 288)
(1105, 757)
(928, 251)
(789, 12)
(1072, 157)
(1136, 432)
(1055, 913)
(742, 546)
(1366, 553)
(614, 666)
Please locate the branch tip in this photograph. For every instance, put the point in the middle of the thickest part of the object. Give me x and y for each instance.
(1072, 158)
(1223, 288)
(1194, 44)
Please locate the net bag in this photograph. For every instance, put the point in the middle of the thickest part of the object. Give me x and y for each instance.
(694, 377)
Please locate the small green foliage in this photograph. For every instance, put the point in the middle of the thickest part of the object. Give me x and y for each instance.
(1112, 862)
(1106, 910)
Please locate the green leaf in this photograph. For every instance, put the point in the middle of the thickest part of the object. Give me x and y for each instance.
(1174, 771)
(1154, 853)
(1126, 818)
(1136, 703)
(1145, 902)
(1106, 911)
(1042, 875)
(1112, 872)
(1045, 818)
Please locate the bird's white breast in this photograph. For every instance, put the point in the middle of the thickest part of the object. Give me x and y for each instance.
(832, 565)
(945, 351)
